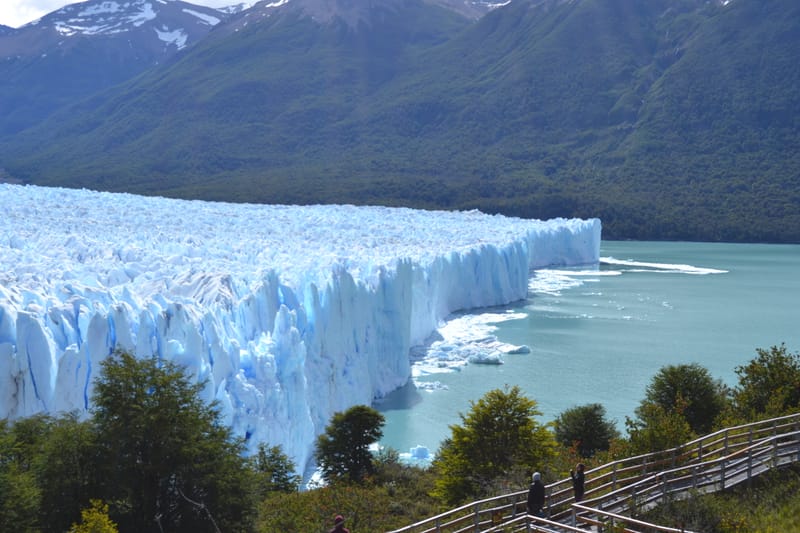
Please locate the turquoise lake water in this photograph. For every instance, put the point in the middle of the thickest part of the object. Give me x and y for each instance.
(599, 335)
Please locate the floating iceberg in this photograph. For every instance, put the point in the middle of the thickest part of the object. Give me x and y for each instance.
(288, 313)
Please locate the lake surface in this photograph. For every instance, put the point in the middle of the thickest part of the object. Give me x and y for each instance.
(599, 335)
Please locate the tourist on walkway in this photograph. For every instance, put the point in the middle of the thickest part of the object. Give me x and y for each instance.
(536, 496)
(578, 478)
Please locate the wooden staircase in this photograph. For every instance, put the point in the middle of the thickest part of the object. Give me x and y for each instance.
(618, 491)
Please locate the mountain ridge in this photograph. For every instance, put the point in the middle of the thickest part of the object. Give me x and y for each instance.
(82, 48)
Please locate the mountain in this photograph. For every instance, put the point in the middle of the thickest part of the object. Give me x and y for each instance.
(250, 94)
(82, 48)
(668, 119)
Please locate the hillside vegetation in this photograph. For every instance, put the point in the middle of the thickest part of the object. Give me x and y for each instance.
(668, 119)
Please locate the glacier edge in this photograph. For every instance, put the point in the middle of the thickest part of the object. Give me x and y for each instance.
(285, 321)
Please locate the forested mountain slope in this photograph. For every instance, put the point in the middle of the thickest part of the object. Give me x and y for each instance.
(668, 119)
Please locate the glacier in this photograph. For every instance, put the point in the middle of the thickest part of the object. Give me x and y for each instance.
(288, 314)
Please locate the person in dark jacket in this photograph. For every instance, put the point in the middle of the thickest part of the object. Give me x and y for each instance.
(536, 496)
(338, 525)
(578, 478)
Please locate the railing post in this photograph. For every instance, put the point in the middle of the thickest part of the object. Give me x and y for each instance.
(611, 518)
(614, 476)
(694, 477)
(548, 500)
(600, 528)
(775, 451)
(598, 518)
(722, 473)
(797, 438)
(725, 444)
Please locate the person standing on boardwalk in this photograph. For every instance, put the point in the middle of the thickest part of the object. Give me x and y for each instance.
(578, 479)
(536, 496)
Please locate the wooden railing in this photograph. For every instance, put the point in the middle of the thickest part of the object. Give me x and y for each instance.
(629, 486)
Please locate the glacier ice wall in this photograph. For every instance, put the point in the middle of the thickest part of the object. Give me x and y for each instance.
(288, 313)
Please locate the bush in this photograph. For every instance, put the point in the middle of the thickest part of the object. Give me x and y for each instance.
(689, 390)
(586, 428)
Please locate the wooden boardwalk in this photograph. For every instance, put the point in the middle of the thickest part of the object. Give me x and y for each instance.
(619, 491)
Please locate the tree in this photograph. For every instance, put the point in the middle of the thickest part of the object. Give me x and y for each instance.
(167, 461)
(20, 496)
(343, 450)
(65, 471)
(275, 471)
(45, 471)
(657, 429)
(586, 428)
(28, 436)
(497, 434)
(689, 390)
(19, 500)
(768, 385)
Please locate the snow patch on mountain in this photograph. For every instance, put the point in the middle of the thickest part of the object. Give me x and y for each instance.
(208, 19)
(91, 21)
(99, 9)
(279, 3)
(236, 8)
(111, 17)
(176, 37)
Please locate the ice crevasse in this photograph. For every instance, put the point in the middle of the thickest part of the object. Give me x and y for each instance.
(287, 313)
